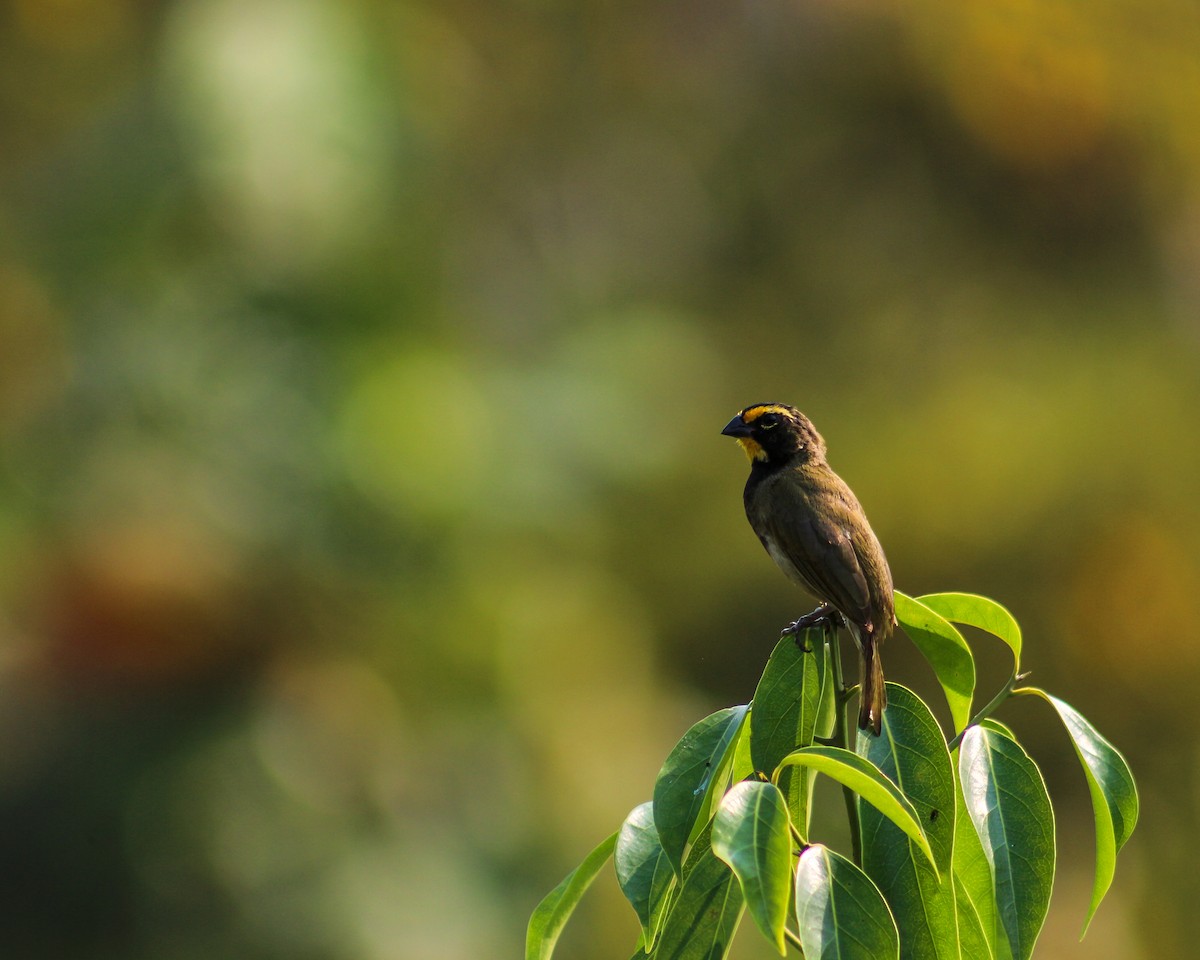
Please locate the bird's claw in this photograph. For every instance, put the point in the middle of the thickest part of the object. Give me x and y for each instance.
(824, 615)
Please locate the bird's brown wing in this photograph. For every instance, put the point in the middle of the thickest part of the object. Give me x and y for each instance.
(813, 530)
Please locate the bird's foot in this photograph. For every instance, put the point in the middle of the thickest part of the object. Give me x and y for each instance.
(824, 615)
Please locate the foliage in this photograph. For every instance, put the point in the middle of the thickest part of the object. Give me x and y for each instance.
(361, 367)
(953, 838)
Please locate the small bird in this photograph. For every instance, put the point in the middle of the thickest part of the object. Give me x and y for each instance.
(817, 533)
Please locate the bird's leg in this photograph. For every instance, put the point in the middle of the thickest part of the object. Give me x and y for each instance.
(825, 614)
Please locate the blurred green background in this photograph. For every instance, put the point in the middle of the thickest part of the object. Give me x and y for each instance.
(366, 535)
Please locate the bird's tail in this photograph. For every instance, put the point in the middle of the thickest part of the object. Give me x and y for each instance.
(872, 692)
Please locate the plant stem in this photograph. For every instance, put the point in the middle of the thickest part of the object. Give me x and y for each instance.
(843, 724)
(794, 940)
(801, 840)
(1005, 692)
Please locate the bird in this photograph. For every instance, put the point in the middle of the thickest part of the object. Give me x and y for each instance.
(816, 531)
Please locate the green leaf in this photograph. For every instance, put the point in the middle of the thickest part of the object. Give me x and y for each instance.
(785, 713)
(736, 746)
(643, 869)
(974, 890)
(740, 765)
(788, 698)
(552, 914)
(996, 726)
(827, 714)
(912, 752)
(705, 915)
(751, 833)
(973, 940)
(982, 612)
(688, 778)
(946, 651)
(869, 782)
(1007, 802)
(841, 914)
(1114, 794)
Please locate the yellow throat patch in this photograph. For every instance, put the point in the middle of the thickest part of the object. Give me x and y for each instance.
(752, 449)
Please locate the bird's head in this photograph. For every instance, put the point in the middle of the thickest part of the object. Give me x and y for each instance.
(775, 433)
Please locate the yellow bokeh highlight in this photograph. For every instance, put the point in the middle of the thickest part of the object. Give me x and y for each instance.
(1029, 79)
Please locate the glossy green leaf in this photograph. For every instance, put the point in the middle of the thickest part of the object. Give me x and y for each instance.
(827, 714)
(736, 750)
(688, 778)
(787, 700)
(552, 914)
(643, 869)
(798, 782)
(1114, 794)
(946, 651)
(751, 833)
(991, 723)
(869, 782)
(704, 916)
(974, 890)
(785, 713)
(1007, 802)
(973, 940)
(841, 914)
(912, 752)
(982, 612)
(741, 766)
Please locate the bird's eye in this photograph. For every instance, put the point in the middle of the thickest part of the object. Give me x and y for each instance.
(768, 420)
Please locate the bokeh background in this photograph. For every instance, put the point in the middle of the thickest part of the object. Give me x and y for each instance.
(366, 538)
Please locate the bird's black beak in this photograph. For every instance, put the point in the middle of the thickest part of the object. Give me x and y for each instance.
(737, 427)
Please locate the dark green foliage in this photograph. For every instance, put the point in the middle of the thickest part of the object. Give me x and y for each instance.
(953, 831)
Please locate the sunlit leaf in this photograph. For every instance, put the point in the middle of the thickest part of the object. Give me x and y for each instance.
(982, 612)
(643, 869)
(869, 782)
(705, 915)
(786, 702)
(751, 834)
(912, 752)
(1007, 802)
(973, 941)
(688, 778)
(786, 710)
(734, 756)
(946, 651)
(827, 714)
(974, 889)
(996, 726)
(841, 914)
(740, 765)
(552, 914)
(1114, 794)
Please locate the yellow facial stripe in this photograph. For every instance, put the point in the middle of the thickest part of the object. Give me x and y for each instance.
(752, 449)
(753, 413)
